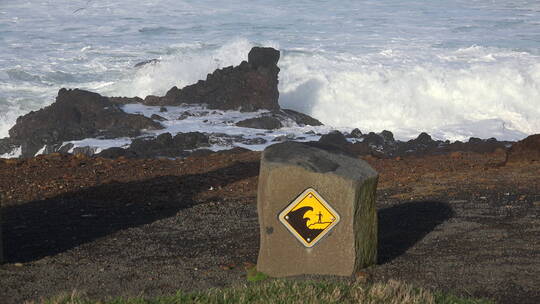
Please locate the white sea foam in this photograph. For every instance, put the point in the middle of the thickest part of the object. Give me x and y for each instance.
(418, 97)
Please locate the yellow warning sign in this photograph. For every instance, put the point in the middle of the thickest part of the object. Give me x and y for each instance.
(309, 217)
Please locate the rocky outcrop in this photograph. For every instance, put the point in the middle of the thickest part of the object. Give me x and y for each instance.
(263, 122)
(278, 119)
(526, 150)
(300, 118)
(248, 87)
(334, 138)
(164, 145)
(76, 114)
(383, 145)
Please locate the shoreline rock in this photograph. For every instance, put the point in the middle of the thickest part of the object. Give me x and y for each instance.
(248, 87)
(76, 114)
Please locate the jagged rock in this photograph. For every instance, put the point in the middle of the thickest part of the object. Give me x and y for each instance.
(277, 119)
(76, 114)
(86, 150)
(526, 150)
(282, 138)
(388, 136)
(116, 152)
(373, 139)
(263, 57)
(474, 140)
(250, 86)
(263, 122)
(235, 150)
(191, 140)
(158, 117)
(254, 141)
(125, 100)
(299, 118)
(424, 139)
(356, 133)
(163, 145)
(334, 138)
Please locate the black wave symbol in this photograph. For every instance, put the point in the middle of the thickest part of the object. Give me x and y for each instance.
(299, 223)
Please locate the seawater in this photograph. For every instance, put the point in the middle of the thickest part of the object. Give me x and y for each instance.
(454, 69)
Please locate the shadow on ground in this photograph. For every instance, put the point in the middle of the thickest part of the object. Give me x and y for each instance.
(403, 225)
(47, 227)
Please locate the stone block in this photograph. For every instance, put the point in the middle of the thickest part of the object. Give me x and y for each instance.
(316, 210)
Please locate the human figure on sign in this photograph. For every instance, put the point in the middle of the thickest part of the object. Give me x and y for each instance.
(320, 217)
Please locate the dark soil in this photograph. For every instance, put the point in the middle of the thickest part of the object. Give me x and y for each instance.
(462, 223)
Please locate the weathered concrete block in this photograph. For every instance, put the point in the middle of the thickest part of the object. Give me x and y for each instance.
(316, 211)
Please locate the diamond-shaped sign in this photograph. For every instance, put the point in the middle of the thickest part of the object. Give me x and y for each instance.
(309, 217)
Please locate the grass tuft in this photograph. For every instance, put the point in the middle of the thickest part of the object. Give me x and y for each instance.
(294, 292)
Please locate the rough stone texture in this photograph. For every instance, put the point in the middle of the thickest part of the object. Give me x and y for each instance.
(348, 185)
(76, 114)
(251, 86)
(164, 145)
(527, 149)
(125, 100)
(264, 122)
(277, 119)
(334, 138)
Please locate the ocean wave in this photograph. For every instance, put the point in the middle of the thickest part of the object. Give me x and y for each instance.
(452, 95)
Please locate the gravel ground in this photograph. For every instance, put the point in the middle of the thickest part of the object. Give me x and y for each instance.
(461, 223)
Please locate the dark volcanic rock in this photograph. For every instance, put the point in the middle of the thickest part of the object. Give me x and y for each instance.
(389, 137)
(76, 114)
(264, 122)
(158, 117)
(116, 152)
(356, 133)
(263, 57)
(373, 139)
(248, 87)
(163, 145)
(334, 138)
(527, 149)
(86, 150)
(125, 100)
(277, 119)
(300, 118)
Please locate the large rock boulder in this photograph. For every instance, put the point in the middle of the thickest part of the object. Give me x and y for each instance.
(251, 86)
(76, 114)
(263, 122)
(277, 119)
(316, 211)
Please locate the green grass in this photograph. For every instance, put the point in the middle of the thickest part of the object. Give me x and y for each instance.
(288, 291)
